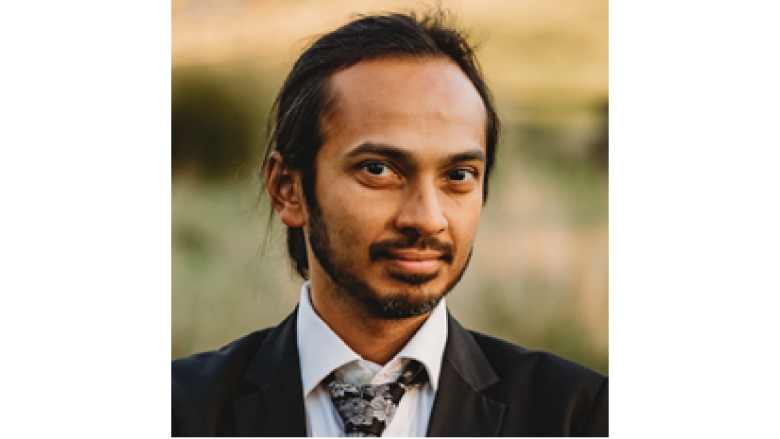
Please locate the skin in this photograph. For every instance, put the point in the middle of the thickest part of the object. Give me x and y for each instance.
(402, 169)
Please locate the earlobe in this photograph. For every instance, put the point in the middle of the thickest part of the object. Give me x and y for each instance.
(284, 188)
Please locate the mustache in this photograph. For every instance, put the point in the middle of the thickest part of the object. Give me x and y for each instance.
(386, 248)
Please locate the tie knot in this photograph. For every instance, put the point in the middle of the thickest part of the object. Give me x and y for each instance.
(367, 409)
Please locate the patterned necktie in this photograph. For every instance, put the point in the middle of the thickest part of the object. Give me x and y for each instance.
(367, 409)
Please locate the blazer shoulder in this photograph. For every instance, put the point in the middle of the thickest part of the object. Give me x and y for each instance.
(205, 381)
(509, 359)
(551, 390)
(225, 362)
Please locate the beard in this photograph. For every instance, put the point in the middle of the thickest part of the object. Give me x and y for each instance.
(352, 287)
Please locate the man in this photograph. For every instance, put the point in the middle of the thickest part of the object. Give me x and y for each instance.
(383, 139)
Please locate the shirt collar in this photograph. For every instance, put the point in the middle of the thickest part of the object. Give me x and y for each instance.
(321, 351)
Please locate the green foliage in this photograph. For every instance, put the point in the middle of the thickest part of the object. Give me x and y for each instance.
(217, 119)
(572, 156)
(223, 284)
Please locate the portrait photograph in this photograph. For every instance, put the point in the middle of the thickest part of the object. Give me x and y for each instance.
(537, 264)
(389, 218)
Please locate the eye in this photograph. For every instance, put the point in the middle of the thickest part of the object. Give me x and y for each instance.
(377, 169)
(461, 175)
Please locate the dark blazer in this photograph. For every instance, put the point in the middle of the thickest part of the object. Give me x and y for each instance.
(488, 387)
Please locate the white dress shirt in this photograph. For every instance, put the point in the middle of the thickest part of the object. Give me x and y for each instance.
(321, 352)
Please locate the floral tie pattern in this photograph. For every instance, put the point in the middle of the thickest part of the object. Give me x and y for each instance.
(367, 409)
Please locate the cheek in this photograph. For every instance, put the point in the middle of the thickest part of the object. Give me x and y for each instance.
(464, 218)
(354, 200)
(357, 216)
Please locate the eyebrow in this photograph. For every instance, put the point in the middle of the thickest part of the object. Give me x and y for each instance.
(405, 156)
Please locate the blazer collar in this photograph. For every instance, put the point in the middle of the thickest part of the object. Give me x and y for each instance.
(273, 406)
(460, 408)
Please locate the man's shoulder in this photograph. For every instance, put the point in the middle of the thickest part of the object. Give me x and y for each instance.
(238, 349)
(207, 380)
(512, 360)
(545, 394)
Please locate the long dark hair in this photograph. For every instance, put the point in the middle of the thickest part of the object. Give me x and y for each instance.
(304, 99)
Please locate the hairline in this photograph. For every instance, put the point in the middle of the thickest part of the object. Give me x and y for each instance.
(329, 110)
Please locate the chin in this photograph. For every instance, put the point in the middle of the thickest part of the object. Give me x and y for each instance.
(404, 305)
(408, 296)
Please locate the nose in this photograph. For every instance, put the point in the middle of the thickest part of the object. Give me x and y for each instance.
(422, 212)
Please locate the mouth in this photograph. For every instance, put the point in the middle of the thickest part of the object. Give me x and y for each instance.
(416, 262)
(413, 261)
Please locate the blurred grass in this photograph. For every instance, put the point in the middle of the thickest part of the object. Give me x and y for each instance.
(221, 286)
(539, 273)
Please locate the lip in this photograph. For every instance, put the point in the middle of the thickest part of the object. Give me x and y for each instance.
(415, 262)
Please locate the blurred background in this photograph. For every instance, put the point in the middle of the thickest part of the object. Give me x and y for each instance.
(539, 273)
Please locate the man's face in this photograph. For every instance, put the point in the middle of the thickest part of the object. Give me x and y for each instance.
(398, 186)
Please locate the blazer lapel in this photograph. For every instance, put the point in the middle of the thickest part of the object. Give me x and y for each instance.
(273, 404)
(460, 409)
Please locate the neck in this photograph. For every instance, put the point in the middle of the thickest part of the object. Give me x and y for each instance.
(374, 339)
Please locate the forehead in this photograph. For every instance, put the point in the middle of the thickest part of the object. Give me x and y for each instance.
(419, 104)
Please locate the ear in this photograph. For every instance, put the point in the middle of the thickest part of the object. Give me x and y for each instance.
(284, 188)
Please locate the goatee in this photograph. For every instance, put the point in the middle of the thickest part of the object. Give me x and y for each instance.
(351, 287)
